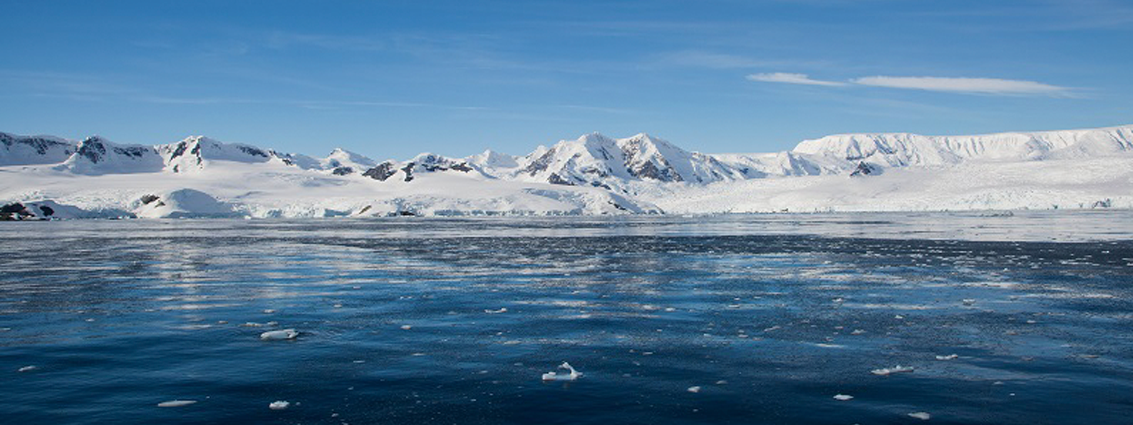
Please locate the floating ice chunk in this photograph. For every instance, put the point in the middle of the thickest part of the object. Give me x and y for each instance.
(251, 325)
(843, 397)
(773, 328)
(279, 405)
(886, 371)
(969, 301)
(269, 311)
(693, 389)
(721, 382)
(406, 327)
(279, 335)
(573, 375)
(27, 368)
(924, 416)
(857, 332)
(948, 357)
(501, 310)
(176, 403)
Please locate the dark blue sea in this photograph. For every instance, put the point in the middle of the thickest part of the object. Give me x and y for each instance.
(1022, 318)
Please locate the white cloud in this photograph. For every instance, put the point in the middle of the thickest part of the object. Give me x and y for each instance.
(788, 78)
(964, 85)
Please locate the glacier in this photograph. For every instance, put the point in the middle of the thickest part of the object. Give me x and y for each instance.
(52, 177)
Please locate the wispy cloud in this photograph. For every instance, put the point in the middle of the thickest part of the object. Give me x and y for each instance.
(984, 86)
(965, 85)
(789, 78)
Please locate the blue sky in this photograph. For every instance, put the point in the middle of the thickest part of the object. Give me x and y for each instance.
(393, 78)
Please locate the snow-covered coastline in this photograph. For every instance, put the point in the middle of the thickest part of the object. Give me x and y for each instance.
(51, 177)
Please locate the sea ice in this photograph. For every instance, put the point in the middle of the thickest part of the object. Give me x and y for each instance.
(948, 357)
(279, 405)
(694, 389)
(886, 371)
(924, 416)
(28, 368)
(573, 375)
(843, 397)
(176, 403)
(501, 310)
(279, 335)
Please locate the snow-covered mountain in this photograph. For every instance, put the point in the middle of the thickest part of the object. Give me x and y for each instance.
(95, 155)
(33, 150)
(593, 174)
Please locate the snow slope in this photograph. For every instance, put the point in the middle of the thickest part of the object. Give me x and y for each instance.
(594, 174)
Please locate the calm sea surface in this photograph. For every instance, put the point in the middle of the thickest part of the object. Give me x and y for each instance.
(437, 321)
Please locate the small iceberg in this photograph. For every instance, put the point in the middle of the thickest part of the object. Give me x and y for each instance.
(694, 390)
(176, 403)
(27, 369)
(279, 335)
(501, 310)
(886, 371)
(572, 376)
(948, 357)
(279, 405)
(924, 416)
(843, 397)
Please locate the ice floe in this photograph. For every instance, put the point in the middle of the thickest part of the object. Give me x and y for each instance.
(279, 405)
(572, 376)
(886, 371)
(924, 416)
(279, 335)
(176, 403)
(28, 368)
(501, 310)
(843, 397)
(694, 389)
(948, 357)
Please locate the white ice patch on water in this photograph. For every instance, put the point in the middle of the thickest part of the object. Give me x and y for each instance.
(27, 369)
(279, 405)
(176, 403)
(572, 376)
(694, 389)
(924, 416)
(886, 371)
(948, 357)
(279, 335)
(501, 310)
(843, 397)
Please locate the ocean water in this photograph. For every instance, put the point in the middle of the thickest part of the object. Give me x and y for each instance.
(403, 321)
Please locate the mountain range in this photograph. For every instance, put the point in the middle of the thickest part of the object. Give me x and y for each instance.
(46, 176)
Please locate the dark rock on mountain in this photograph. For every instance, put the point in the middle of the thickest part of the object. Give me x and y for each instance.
(381, 172)
(865, 169)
